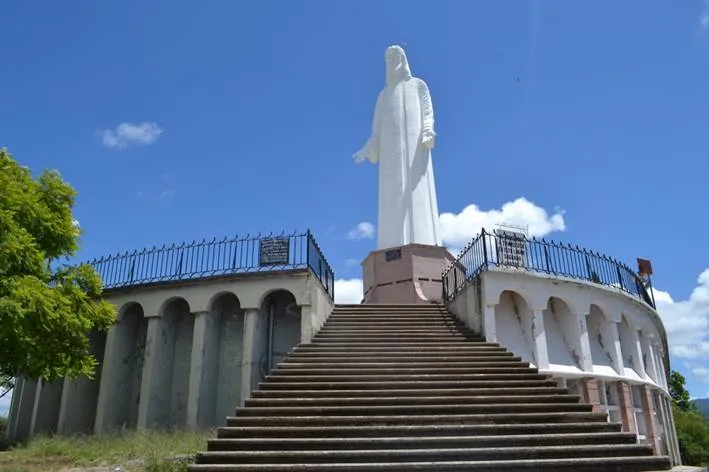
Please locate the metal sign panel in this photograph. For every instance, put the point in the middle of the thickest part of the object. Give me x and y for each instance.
(274, 251)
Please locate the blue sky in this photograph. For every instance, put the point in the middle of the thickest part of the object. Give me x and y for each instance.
(243, 117)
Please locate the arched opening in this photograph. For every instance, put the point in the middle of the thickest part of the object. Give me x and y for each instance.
(122, 387)
(513, 322)
(282, 316)
(628, 346)
(602, 341)
(171, 376)
(563, 340)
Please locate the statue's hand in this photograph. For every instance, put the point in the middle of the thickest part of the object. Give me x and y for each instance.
(428, 139)
(360, 156)
(365, 153)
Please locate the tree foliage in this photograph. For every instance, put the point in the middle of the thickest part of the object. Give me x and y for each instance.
(47, 308)
(692, 427)
(679, 393)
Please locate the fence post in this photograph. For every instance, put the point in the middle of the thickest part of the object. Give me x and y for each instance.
(483, 235)
(307, 250)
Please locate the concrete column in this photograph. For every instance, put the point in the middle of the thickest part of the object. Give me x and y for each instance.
(307, 323)
(45, 416)
(585, 357)
(615, 348)
(638, 364)
(153, 392)
(25, 409)
(254, 348)
(77, 413)
(106, 395)
(489, 325)
(673, 429)
(199, 370)
(589, 391)
(13, 415)
(667, 433)
(650, 416)
(625, 403)
(539, 339)
(649, 355)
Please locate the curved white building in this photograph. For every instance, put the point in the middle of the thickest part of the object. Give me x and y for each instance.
(582, 317)
(200, 325)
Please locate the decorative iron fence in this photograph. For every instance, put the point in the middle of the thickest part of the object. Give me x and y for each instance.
(201, 259)
(515, 251)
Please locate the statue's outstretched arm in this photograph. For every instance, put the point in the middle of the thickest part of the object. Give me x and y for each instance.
(369, 151)
(427, 121)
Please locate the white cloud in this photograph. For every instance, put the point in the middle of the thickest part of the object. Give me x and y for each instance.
(348, 291)
(704, 17)
(701, 373)
(687, 322)
(364, 230)
(127, 134)
(458, 229)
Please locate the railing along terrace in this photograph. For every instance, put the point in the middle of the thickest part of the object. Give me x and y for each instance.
(516, 251)
(202, 259)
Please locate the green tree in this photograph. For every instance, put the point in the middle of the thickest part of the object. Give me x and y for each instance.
(692, 427)
(679, 393)
(47, 308)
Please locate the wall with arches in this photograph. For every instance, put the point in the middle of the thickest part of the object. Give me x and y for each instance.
(606, 345)
(182, 355)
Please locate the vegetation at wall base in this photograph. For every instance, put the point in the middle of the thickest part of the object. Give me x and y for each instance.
(691, 425)
(149, 451)
(47, 308)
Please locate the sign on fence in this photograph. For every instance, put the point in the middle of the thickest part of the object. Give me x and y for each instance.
(274, 251)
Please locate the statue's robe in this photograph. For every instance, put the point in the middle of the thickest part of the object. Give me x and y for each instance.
(408, 207)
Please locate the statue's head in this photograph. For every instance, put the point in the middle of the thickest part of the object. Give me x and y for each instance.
(397, 64)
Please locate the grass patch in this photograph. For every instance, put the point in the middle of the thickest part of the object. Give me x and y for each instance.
(147, 451)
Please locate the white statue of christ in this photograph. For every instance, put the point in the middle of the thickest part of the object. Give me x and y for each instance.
(401, 142)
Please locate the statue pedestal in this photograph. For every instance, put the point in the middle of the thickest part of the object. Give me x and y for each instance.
(405, 274)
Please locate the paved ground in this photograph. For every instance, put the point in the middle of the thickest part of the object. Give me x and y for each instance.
(685, 468)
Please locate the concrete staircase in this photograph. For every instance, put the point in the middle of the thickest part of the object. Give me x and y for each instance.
(409, 388)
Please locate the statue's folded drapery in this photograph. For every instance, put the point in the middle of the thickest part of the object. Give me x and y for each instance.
(401, 142)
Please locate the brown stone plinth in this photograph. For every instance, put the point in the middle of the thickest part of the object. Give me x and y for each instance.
(589, 391)
(405, 274)
(625, 402)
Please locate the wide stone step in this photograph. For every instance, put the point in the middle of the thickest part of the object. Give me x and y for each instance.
(337, 358)
(394, 327)
(277, 376)
(527, 392)
(440, 369)
(402, 384)
(619, 464)
(414, 346)
(417, 347)
(529, 429)
(369, 420)
(391, 340)
(412, 401)
(413, 442)
(288, 365)
(416, 455)
(613, 464)
(329, 331)
(377, 320)
(420, 409)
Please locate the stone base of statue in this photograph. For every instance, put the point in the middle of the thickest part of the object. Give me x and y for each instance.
(405, 274)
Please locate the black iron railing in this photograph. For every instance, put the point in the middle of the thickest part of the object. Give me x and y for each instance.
(202, 259)
(515, 251)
